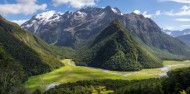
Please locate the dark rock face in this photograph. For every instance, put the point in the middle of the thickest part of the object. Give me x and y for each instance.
(79, 29)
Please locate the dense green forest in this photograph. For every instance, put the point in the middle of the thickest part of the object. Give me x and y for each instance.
(177, 82)
(23, 54)
(116, 49)
(11, 74)
(24, 48)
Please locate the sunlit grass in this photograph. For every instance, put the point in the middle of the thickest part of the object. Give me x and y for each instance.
(71, 73)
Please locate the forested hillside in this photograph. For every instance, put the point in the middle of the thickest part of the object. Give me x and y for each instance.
(26, 49)
(11, 74)
(22, 54)
(116, 49)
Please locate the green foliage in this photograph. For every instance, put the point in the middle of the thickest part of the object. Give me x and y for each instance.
(101, 90)
(177, 81)
(88, 87)
(150, 86)
(37, 91)
(11, 74)
(182, 92)
(22, 54)
(24, 48)
(116, 49)
(57, 51)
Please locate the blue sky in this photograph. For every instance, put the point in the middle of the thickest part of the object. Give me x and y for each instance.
(168, 14)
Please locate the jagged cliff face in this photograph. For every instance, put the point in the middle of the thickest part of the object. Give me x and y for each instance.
(72, 29)
(75, 29)
(79, 29)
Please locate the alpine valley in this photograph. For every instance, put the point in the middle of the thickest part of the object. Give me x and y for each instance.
(92, 51)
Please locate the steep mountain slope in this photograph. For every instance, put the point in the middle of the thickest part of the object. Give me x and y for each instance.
(25, 48)
(78, 30)
(149, 33)
(185, 39)
(116, 49)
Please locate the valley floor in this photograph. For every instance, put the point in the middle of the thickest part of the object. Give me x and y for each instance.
(72, 73)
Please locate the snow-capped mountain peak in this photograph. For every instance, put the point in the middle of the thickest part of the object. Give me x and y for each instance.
(49, 16)
(39, 20)
(52, 18)
(45, 15)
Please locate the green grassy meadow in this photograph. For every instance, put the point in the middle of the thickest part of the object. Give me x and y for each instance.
(72, 73)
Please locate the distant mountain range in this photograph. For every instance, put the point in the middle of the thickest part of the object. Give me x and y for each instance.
(177, 33)
(80, 28)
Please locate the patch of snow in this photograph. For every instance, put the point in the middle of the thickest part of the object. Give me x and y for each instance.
(49, 17)
(114, 10)
(80, 14)
(29, 25)
(44, 18)
(45, 15)
(102, 15)
(35, 27)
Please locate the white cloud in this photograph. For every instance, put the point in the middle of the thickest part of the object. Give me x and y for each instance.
(185, 8)
(185, 26)
(158, 12)
(75, 3)
(175, 27)
(169, 33)
(19, 22)
(145, 14)
(26, 1)
(178, 1)
(169, 28)
(136, 11)
(21, 7)
(185, 11)
(183, 19)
